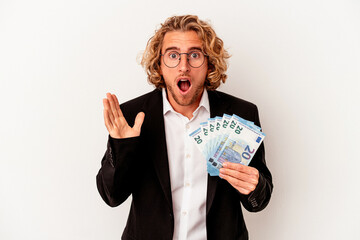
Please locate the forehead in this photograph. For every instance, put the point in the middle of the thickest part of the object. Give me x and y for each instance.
(182, 41)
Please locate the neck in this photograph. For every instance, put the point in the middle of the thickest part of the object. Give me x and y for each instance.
(186, 111)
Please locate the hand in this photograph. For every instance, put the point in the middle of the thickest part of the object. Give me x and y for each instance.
(115, 121)
(242, 178)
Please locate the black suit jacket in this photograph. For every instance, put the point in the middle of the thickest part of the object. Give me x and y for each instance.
(139, 166)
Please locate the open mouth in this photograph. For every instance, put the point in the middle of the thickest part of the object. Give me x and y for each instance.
(184, 85)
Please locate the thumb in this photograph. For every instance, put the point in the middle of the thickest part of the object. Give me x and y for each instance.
(139, 121)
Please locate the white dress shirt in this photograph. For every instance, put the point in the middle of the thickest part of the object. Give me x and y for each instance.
(188, 174)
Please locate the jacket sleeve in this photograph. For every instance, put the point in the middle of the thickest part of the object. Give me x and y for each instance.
(115, 179)
(260, 197)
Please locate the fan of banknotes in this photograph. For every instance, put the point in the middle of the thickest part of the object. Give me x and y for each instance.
(227, 138)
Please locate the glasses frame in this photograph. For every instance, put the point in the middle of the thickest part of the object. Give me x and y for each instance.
(187, 57)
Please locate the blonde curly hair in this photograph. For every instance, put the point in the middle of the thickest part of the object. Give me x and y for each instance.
(212, 46)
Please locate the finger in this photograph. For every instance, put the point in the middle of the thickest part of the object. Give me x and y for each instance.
(116, 115)
(112, 105)
(107, 121)
(241, 190)
(238, 182)
(240, 185)
(121, 120)
(139, 121)
(240, 175)
(117, 105)
(108, 110)
(241, 168)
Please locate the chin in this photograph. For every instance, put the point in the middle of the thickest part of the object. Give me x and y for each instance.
(185, 100)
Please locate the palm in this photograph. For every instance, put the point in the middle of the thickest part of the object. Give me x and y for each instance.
(123, 131)
(115, 121)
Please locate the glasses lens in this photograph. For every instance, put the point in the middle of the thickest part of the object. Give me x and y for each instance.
(171, 58)
(196, 58)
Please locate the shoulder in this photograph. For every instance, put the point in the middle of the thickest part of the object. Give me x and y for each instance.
(143, 102)
(140, 101)
(227, 99)
(221, 103)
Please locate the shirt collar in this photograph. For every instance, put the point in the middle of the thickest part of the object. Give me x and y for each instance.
(204, 102)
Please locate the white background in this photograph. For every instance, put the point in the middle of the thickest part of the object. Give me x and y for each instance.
(297, 60)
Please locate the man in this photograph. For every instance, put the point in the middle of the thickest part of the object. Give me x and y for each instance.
(157, 163)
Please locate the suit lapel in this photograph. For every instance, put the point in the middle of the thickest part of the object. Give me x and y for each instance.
(157, 139)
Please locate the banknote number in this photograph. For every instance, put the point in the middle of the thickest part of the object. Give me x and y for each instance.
(225, 123)
(247, 153)
(232, 125)
(238, 129)
(211, 128)
(205, 131)
(198, 140)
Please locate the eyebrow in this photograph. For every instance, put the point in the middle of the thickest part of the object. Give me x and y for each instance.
(176, 48)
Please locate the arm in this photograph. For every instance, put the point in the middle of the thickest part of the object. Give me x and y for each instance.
(114, 180)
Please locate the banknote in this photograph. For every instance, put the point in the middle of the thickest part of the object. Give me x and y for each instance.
(201, 138)
(227, 138)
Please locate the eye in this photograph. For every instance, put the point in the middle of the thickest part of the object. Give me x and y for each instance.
(195, 55)
(173, 55)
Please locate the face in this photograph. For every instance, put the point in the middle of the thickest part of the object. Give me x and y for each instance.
(184, 83)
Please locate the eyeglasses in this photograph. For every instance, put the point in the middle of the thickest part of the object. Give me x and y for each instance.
(195, 58)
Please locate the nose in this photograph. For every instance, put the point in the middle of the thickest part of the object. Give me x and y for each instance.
(184, 64)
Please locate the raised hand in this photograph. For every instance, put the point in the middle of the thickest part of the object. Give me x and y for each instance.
(115, 121)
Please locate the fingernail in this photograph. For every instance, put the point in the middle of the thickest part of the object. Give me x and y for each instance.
(225, 164)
